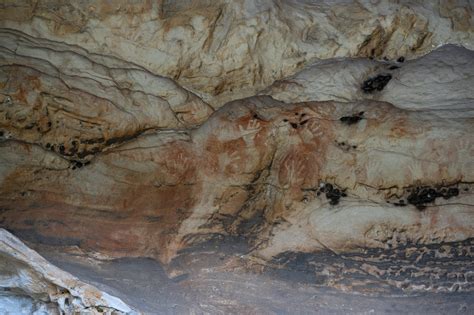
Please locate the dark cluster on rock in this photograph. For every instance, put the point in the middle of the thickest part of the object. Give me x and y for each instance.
(300, 120)
(353, 119)
(333, 194)
(78, 164)
(421, 196)
(376, 83)
(345, 146)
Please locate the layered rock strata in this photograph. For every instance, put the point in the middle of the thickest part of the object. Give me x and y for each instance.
(77, 104)
(440, 80)
(225, 50)
(146, 129)
(256, 167)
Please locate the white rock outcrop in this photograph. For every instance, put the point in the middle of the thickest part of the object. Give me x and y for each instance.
(31, 285)
(442, 80)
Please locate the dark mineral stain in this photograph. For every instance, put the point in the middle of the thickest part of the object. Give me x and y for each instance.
(257, 117)
(393, 67)
(78, 164)
(423, 267)
(400, 203)
(401, 59)
(452, 192)
(85, 153)
(351, 120)
(420, 196)
(332, 194)
(93, 141)
(376, 83)
(116, 140)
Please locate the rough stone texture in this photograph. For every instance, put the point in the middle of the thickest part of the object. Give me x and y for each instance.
(253, 168)
(78, 104)
(230, 49)
(416, 279)
(31, 285)
(144, 129)
(441, 80)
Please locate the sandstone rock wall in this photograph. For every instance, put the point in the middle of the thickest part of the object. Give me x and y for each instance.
(114, 136)
(78, 104)
(226, 50)
(255, 167)
(441, 81)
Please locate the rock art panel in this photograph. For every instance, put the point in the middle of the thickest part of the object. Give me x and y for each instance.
(287, 176)
(299, 134)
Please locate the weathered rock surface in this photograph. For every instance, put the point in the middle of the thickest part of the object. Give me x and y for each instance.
(31, 285)
(78, 104)
(255, 168)
(427, 279)
(226, 50)
(441, 80)
(319, 134)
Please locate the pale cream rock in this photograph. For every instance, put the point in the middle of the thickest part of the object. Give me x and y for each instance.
(356, 224)
(441, 80)
(31, 285)
(226, 50)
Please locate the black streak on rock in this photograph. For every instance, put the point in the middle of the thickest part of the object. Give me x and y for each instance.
(351, 120)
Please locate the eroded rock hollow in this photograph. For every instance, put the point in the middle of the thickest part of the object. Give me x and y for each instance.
(220, 145)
